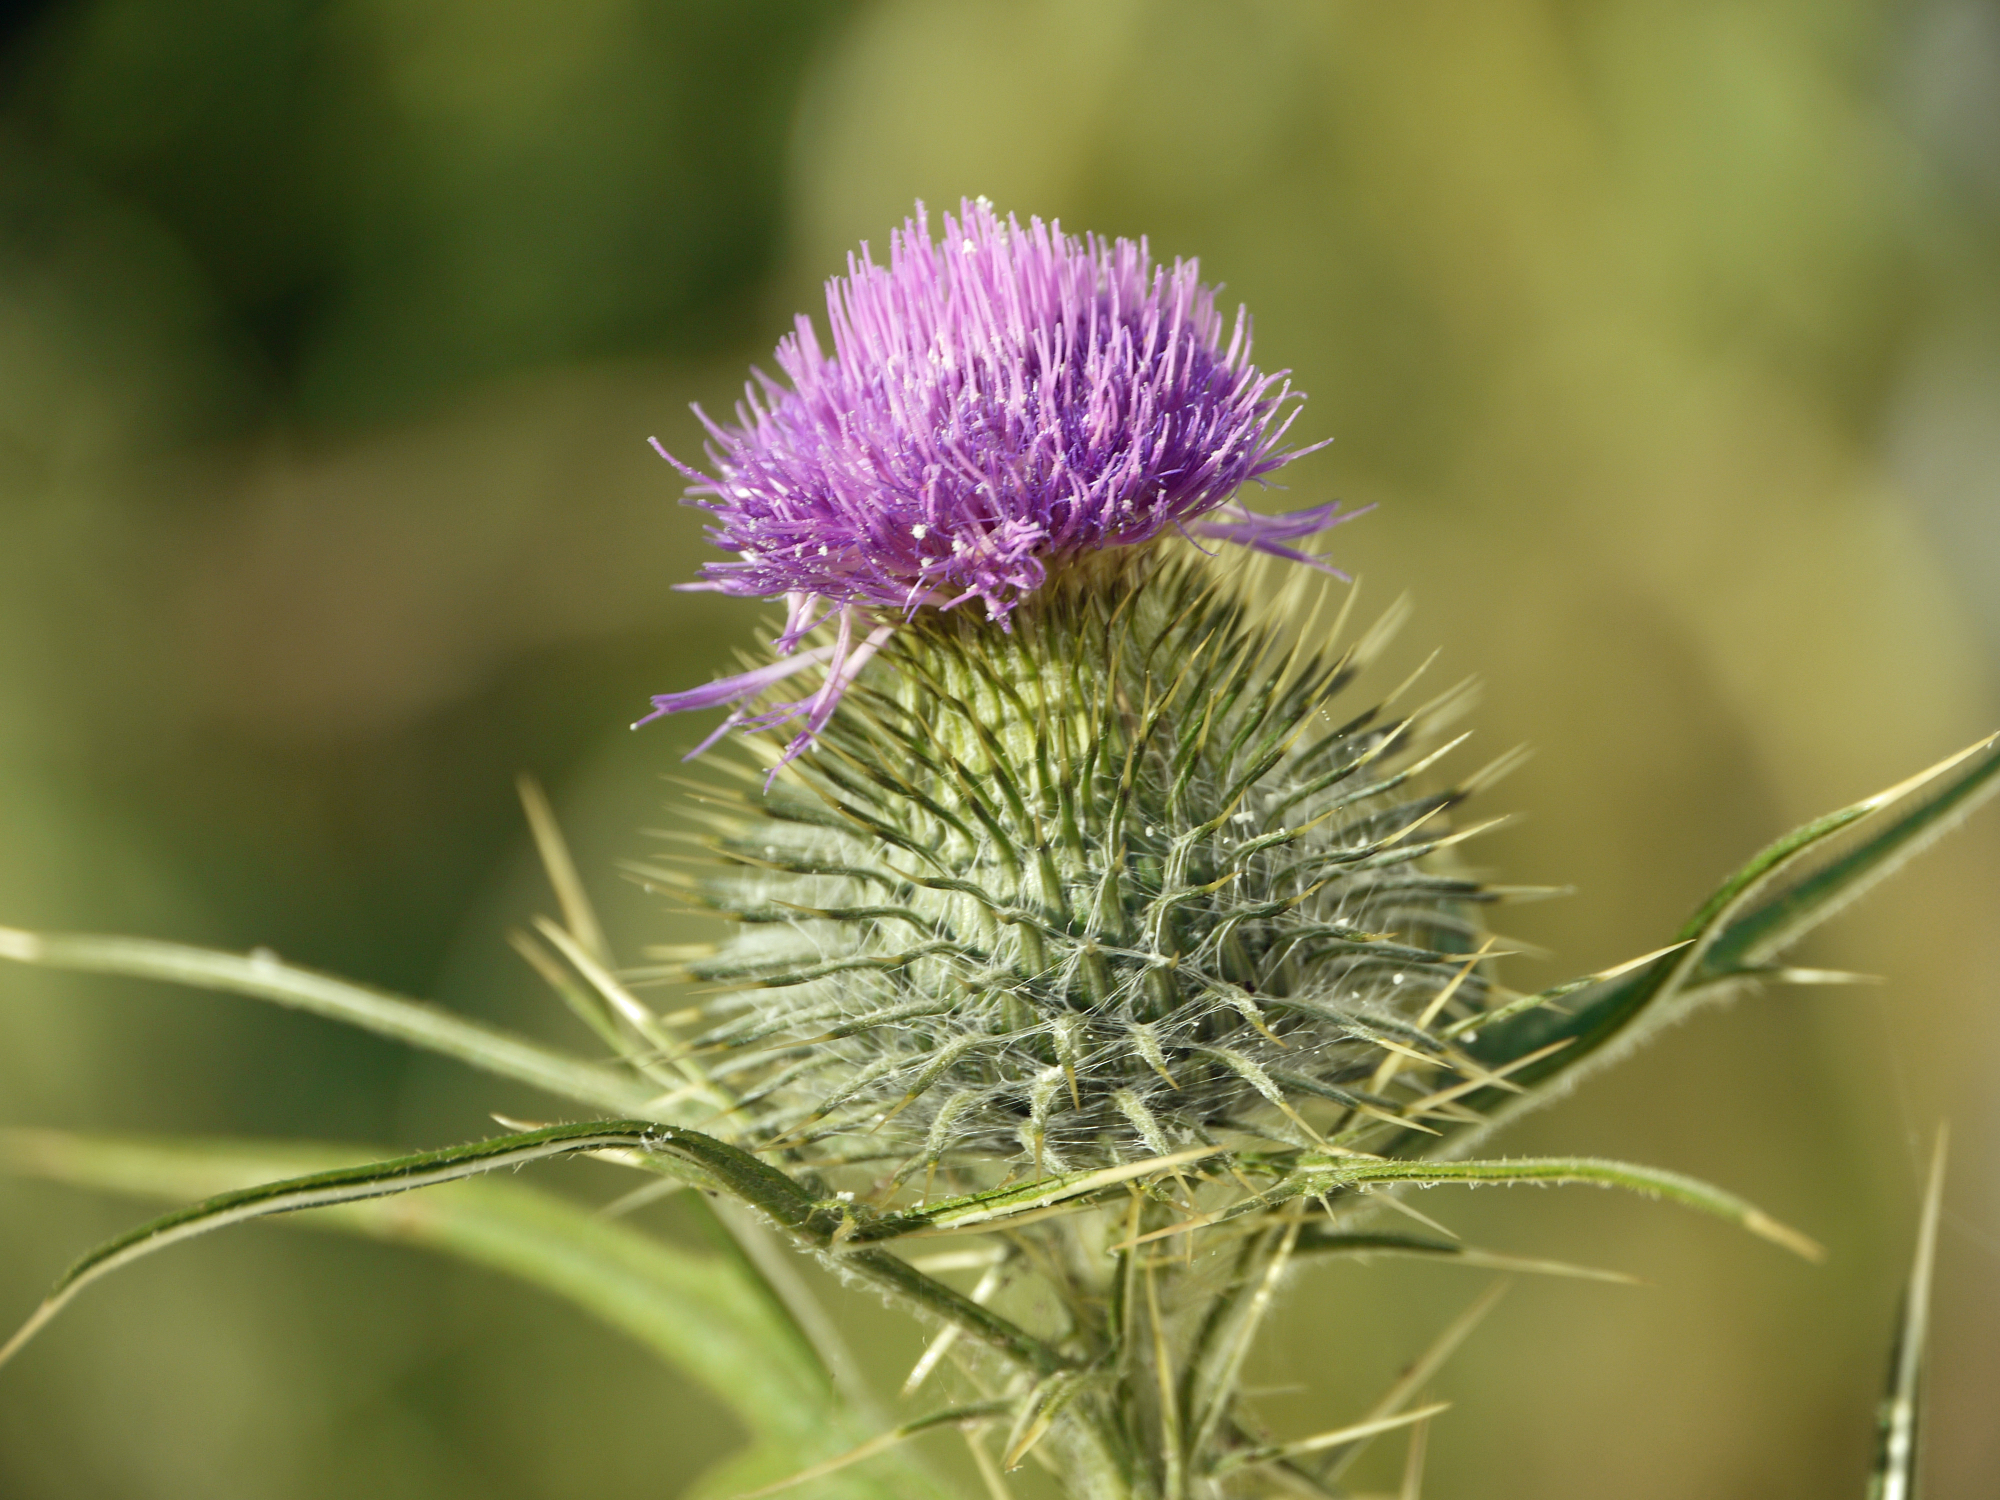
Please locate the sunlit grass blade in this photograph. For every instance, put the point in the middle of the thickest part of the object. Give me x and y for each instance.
(323, 1189)
(700, 1313)
(1895, 1473)
(266, 977)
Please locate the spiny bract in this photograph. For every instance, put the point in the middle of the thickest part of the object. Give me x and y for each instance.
(1117, 881)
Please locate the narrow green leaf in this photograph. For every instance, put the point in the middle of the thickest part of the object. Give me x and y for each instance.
(698, 1312)
(1889, 828)
(1773, 901)
(1318, 1177)
(266, 977)
(760, 1255)
(1588, 1015)
(830, 1226)
(1895, 1473)
(579, 916)
(324, 1189)
(1690, 1192)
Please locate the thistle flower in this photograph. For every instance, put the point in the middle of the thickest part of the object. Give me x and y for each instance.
(1094, 911)
(995, 405)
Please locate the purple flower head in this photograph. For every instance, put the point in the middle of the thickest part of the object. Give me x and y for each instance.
(994, 403)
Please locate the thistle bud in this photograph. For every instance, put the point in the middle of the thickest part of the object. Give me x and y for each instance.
(1125, 878)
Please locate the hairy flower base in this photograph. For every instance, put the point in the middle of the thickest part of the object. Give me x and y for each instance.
(1115, 882)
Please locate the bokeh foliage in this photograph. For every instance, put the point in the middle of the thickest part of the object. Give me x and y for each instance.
(1667, 336)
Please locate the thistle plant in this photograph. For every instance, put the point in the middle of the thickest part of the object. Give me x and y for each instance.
(1098, 948)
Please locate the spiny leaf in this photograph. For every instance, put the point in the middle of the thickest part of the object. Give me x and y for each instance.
(1775, 899)
(266, 977)
(1797, 894)
(1038, 1413)
(906, 1283)
(690, 1308)
(322, 1189)
(714, 1163)
(1690, 1192)
(707, 1316)
(940, 1345)
(1321, 1176)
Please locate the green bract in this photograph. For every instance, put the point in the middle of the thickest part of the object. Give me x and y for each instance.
(1129, 876)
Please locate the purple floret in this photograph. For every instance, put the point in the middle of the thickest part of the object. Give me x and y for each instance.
(994, 403)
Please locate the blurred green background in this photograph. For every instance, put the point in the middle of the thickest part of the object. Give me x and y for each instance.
(1667, 335)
